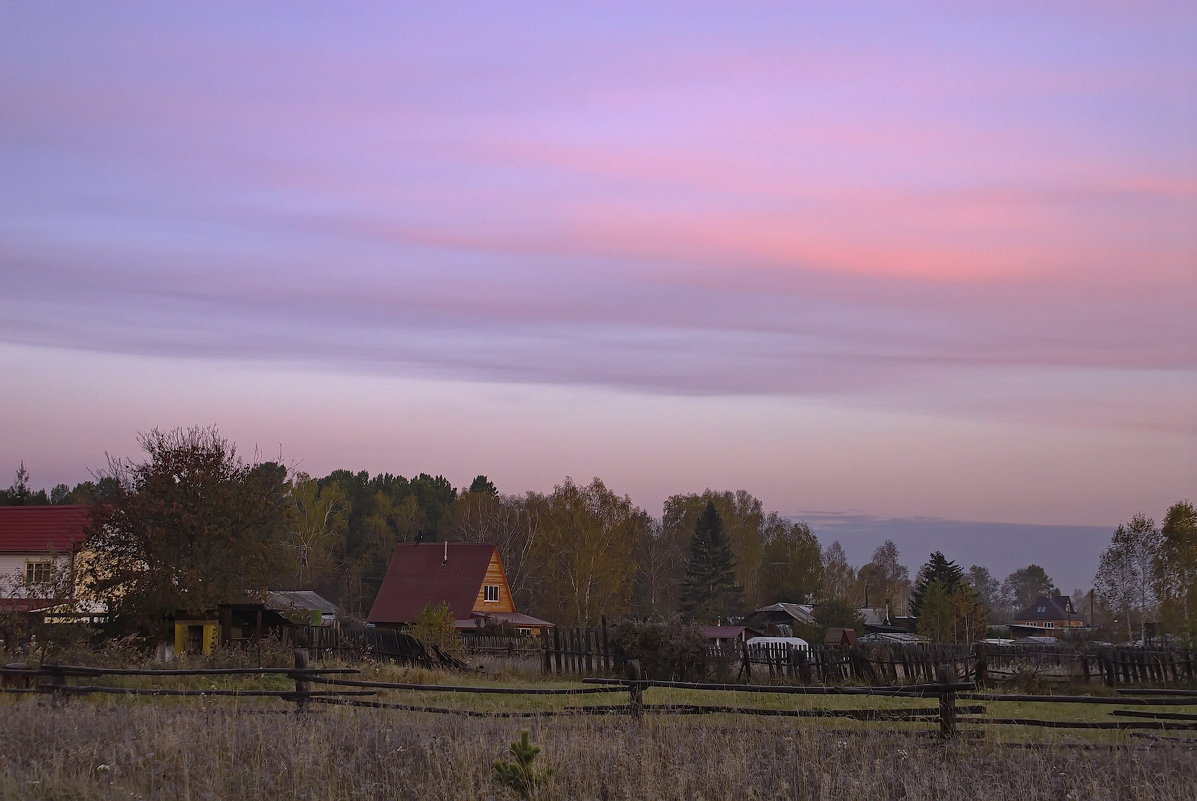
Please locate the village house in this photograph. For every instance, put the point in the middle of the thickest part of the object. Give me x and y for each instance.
(778, 619)
(1047, 616)
(40, 553)
(468, 576)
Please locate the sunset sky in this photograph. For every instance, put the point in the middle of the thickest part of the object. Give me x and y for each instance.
(865, 260)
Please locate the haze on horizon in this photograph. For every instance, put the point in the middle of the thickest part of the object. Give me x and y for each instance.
(874, 260)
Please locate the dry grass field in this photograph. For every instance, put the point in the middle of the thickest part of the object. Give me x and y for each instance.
(154, 748)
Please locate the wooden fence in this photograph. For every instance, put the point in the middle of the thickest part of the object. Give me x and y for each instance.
(583, 651)
(947, 715)
(368, 642)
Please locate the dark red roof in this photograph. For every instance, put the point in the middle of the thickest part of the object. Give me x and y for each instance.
(416, 577)
(1053, 607)
(42, 529)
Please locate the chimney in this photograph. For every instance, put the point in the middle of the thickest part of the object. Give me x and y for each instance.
(445, 560)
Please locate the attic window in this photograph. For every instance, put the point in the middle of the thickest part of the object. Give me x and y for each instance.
(490, 593)
(1041, 609)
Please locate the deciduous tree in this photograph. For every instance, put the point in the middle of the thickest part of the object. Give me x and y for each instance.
(317, 518)
(988, 589)
(791, 562)
(1175, 570)
(584, 552)
(511, 523)
(884, 580)
(190, 526)
(1124, 574)
(839, 577)
(1024, 585)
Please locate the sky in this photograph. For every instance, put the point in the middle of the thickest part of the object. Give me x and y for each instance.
(884, 262)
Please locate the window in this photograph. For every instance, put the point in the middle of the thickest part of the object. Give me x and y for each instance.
(490, 593)
(37, 572)
(1041, 609)
(1049, 625)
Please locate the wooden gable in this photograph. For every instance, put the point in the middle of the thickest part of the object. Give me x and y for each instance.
(497, 578)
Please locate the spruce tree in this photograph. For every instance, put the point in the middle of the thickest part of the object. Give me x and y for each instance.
(709, 589)
(938, 568)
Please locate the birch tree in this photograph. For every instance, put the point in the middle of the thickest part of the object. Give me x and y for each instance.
(584, 548)
(316, 521)
(1175, 569)
(1125, 572)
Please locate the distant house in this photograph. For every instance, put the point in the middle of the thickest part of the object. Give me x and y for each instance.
(1046, 615)
(778, 619)
(840, 636)
(724, 639)
(468, 576)
(39, 553)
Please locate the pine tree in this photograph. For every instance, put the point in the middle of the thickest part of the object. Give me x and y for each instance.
(938, 568)
(709, 588)
(519, 775)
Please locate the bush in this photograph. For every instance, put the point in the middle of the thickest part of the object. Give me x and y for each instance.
(435, 628)
(672, 651)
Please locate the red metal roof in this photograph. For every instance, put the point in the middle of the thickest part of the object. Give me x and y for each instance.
(42, 529)
(418, 575)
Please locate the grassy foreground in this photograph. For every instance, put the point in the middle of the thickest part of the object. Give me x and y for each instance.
(115, 748)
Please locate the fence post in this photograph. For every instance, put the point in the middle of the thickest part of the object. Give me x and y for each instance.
(946, 674)
(301, 682)
(57, 680)
(606, 646)
(635, 690)
(557, 648)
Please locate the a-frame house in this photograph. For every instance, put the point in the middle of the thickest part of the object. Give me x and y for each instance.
(468, 576)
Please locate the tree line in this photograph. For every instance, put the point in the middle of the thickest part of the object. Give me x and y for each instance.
(191, 524)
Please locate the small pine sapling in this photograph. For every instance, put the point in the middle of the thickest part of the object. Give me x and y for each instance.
(519, 776)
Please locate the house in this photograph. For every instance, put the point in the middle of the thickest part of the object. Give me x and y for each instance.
(877, 620)
(39, 553)
(724, 639)
(778, 619)
(840, 636)
(468, 576)
(1046, 616)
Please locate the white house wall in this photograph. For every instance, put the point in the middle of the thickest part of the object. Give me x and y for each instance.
(12, 569)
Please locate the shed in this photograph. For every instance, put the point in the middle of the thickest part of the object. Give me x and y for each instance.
(840, 636)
